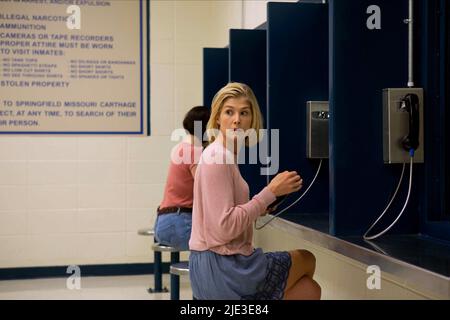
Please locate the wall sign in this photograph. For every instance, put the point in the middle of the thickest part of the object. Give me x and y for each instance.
(72, 67)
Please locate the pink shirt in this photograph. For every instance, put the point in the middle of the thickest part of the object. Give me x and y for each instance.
(178, 191)
(223, 215)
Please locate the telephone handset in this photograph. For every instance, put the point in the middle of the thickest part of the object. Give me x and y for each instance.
(410, 103)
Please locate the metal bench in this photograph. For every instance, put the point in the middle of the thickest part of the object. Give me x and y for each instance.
(177, 270)
(174, 259)
(146, 232)
(157, 264)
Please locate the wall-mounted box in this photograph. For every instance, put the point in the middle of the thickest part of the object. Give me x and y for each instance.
(317, 124)
(396, 125)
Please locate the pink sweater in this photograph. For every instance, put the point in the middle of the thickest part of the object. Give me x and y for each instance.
(222, 217)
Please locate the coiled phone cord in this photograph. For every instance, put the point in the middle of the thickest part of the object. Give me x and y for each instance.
(411, 153)
(303, 194)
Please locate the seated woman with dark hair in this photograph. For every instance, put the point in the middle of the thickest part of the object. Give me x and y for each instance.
(174, 215)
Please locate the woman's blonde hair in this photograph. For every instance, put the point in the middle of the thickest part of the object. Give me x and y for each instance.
(234, 90)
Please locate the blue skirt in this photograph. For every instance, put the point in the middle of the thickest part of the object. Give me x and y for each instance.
(260, 276)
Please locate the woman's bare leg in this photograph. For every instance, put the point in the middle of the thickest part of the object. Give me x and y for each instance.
(304, 289)
(303, 263)
(300, 284)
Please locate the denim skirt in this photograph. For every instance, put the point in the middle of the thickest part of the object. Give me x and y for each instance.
(259, 276)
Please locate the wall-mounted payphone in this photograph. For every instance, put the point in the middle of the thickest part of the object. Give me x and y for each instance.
(402, 124)
(402, 127)
(402, 139)
(317, 123)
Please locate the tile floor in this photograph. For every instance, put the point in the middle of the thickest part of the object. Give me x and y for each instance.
(92, 288)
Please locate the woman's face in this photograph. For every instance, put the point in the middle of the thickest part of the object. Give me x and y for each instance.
(235, 118)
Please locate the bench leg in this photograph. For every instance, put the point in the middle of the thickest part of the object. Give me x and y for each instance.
(174, 279)
(157, 273)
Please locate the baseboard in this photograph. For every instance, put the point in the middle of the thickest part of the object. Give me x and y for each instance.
(85, 270)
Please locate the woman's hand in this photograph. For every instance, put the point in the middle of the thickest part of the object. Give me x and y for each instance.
(285, 183)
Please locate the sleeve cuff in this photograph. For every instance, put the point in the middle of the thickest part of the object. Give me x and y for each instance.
(266, 197)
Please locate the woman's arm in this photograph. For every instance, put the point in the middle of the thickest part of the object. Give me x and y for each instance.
(223, 219)
(192, 169)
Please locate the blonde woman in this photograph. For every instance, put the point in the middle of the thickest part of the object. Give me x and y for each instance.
(223, 262)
